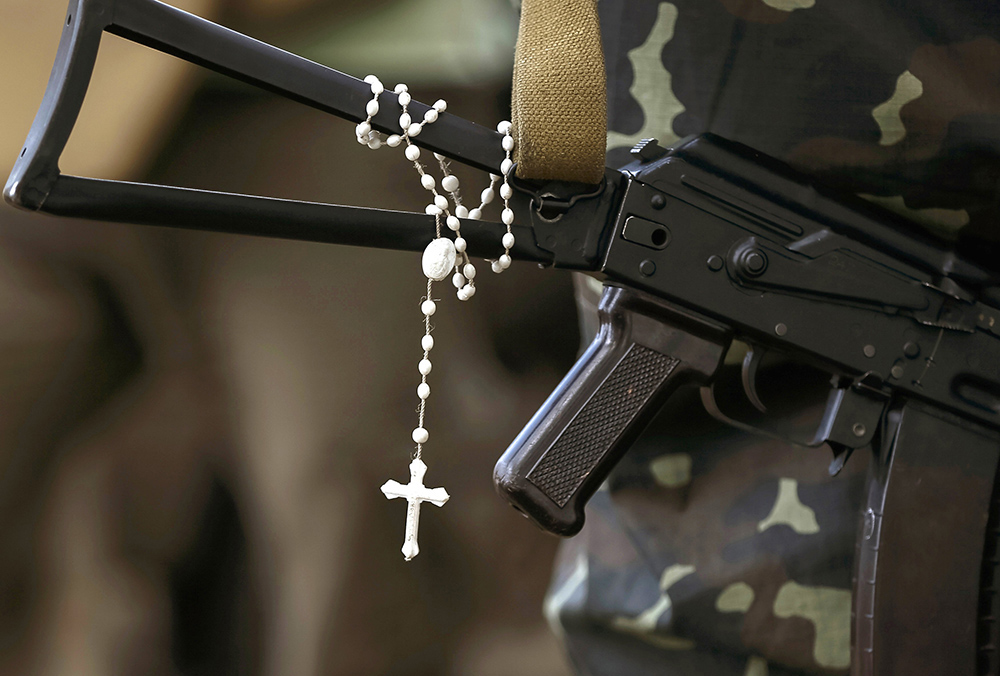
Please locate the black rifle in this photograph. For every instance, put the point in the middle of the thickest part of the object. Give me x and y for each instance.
(700, 244)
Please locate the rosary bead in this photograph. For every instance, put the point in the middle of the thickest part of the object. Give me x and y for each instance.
(440, 105)
(374, 142)
(439, 157)
(420, 435)
(450, 183)
(430, 116)
(377, 88)
(507, 216)
(453, 223)
(496, 267)
(427, 181)
(461, 211)
(458, 280)
(404, 98)
(412, 153)
(394, 141)
(508, 143)
(469, 290)
(424, 367)
(404, 121)
(475, 214)
(506, 166)
(506, 192)
(427, 342)
(432, 210)
(428, 307)
(371, 79)
(504, 127)
(363, 140)
(400, 88)
(414, 129)
(372, 107)
(469, 270)
(463, 293)
(362, 130)
(504, 261)
(487, 196)
(460, 245)
(441, 202)
(423, 390)
(508, 241)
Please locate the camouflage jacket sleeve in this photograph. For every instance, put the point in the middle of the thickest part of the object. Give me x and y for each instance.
(711, 551)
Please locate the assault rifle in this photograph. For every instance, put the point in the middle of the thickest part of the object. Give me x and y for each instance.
(701, 244)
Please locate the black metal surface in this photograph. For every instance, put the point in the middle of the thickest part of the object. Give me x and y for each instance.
(35, 182)
(265, 216)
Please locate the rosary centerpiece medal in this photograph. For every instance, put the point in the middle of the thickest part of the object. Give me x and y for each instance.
(442, 257)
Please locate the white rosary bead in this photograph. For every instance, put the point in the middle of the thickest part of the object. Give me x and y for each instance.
(458, 280)
(423, 390)
(432, 210)
(460, 245)
(404, 98)
(427, 342)
(414, 129)
(506, 192)
(469, 290)
(424, 367)
(487, 196)
(404, 120)
(427, 181)
(377, 88)
(363, 140)
(506, 166)
(508, 241)
(461, 211)
(428, 307)
(412, 153)
(393, 140)
(372, 107)
(400, 88)
(420, 435)
(431, 116)
(374, 142)
(507, 216)
(450, 183)
(504, 127)
(504, 261)
(469, 270)
(496, 267)
(440, 105)
(508, 143)
(463, 293)
(475, 214)
(372, 79)
(441, 202)
(453, 223)
(362, 130)
(439, 157)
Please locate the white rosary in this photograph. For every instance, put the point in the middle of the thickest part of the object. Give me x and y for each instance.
(441, 258)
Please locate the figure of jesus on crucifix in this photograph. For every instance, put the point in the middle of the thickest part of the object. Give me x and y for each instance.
(415, 492)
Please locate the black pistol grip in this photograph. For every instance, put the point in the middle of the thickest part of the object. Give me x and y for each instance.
(644, 349)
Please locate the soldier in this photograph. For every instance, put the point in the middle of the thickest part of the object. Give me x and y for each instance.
(711, 551)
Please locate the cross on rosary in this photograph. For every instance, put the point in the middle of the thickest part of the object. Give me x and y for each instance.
(415, 492)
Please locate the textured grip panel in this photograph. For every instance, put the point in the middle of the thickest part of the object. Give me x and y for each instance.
(564, 468)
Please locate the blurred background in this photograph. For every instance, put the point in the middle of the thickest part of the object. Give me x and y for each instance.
(194, 427)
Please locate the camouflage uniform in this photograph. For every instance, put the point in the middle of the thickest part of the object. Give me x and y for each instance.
(711, 551)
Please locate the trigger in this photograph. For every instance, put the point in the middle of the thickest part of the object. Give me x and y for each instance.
(751, 363)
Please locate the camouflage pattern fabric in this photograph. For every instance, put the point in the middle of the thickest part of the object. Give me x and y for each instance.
(710, 550)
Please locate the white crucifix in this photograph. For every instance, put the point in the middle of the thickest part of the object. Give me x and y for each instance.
(415, 492)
